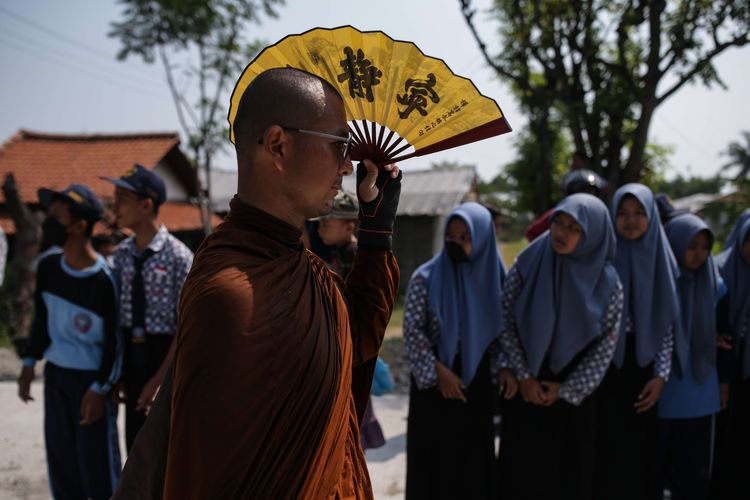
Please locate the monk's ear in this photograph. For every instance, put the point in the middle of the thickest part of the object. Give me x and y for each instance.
(276, 143)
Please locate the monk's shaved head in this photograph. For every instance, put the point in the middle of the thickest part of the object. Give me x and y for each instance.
(291, 174)
(281, 96)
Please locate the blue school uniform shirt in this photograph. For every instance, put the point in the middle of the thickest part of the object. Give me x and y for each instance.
(685, 397)
(75, 320)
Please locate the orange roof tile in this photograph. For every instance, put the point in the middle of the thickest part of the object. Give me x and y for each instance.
(56, 160)
(8, 225)
(183, 217)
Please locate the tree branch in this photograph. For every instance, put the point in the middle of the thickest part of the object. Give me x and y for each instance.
(176, 96)
(701, 63)
(223, 72)
(468, 14)
(190, 112)
(622, 60)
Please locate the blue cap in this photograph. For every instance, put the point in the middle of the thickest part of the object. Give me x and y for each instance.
(143, 182)
(80, 197)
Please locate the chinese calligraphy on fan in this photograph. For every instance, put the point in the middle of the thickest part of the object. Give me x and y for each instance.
(429, 125)
(415, 96)
(360, 74)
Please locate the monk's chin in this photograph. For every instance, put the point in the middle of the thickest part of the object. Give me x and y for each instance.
(327, 209)
(319, 213)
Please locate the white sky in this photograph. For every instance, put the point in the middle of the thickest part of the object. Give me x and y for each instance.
(53, 86)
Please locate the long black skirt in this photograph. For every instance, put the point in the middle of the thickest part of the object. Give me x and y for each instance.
(547, 453)
(684, 457)
(732, 452)
(450, 450)
(626, 441)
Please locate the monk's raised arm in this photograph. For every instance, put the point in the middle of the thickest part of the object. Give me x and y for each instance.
(372, 285)
(371, 290)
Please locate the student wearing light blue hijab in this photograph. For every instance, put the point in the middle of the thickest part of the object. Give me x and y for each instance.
(691, 395)
(562, 303)
(627, 422)
(452, 318)
(733, 425)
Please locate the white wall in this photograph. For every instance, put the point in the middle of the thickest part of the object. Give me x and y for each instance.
(175, 190)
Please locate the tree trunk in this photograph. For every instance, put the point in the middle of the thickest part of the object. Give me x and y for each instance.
(633, 168)
(21, 279)
(204, 204)
(544, 173)
(209, 210)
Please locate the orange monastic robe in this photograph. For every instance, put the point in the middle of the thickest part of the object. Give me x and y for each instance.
(273, 365)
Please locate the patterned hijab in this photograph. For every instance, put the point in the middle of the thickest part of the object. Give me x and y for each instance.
(564, 297)
(649, 272)
(695, 332)
(465, 297)
(736, 274)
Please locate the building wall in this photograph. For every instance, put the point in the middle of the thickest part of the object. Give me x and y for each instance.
(175, 189)
(414, 240)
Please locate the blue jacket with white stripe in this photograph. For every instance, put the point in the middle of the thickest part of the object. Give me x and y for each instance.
(75, 320)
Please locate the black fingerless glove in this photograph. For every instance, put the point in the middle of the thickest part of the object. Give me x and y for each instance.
(377, 216)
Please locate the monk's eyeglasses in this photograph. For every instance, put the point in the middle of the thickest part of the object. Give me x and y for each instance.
(345, 143)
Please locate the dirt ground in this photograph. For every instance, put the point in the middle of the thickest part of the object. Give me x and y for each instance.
(23, 469)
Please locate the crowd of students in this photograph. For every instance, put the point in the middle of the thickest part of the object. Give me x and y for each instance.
(104, 327)
(615, 345)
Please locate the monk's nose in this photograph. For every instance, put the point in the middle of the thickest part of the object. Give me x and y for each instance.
(346, 167)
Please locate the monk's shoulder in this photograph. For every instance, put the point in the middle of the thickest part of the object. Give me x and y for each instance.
(226, 286)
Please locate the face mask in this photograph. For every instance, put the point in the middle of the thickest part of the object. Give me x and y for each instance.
(456, 252)
(53, 233)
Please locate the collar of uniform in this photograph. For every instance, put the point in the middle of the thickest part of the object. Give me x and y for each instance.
(157, 242)
(83, 273)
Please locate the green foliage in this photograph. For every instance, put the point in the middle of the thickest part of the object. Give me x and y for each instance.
(602, 68)
(179, 24)
(501, 183)
(209, 39)
(397, 315)
(525, 173)
(509, 250)
(655, 163)
(680, 186)
(739, 155)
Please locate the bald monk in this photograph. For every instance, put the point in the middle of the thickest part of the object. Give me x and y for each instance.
(275, 353)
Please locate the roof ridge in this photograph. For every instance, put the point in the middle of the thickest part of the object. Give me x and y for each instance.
(460, 168)
(5, 146)
(32, 134)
